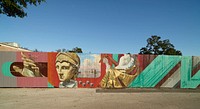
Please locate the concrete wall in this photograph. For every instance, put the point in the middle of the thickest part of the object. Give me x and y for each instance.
(51, 69)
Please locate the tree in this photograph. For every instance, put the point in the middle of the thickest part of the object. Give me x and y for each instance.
(59, 50)
(15, 8)
(157, 46)
(74, 50)
(36, 50)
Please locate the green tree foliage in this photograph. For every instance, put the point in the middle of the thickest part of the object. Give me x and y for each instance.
(36, 50)
(157, 46)
(15, 8)
(61, 50)
(74, 50)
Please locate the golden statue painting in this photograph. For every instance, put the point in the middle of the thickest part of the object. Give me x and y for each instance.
(67, 66)
(119, 76)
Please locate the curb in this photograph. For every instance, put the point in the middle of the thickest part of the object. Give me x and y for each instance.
(147, 90)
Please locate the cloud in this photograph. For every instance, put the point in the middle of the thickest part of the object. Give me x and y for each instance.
(91, 62)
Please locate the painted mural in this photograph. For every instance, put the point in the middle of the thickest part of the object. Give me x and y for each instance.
(71, 70)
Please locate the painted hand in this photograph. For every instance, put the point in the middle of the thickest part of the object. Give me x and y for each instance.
(30, 68)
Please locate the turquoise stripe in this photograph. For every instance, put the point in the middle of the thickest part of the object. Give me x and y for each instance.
(155, 71)
(186, 70)
(196, 77)
(115, 57)
(6, 69)
(49, 85)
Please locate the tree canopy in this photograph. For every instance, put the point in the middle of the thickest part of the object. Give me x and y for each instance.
(15, 8)
(74, 50)
(157, 46)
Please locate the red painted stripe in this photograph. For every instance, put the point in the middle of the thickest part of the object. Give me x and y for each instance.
(178, 84)
(196, 69)
(169, 74)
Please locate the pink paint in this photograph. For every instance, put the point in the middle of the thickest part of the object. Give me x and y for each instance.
(35, 56)
(32, 82)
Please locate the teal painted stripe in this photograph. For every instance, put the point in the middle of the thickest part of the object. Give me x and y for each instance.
(186, 70)
(115, 57)
(196, 77)
(6, 69)
(49, 85)
(155, 71)
(186, 67)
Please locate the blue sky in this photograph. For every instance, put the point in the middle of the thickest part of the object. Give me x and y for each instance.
(105, 26)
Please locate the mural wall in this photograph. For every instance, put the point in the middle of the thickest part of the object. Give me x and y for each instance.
(70, 70)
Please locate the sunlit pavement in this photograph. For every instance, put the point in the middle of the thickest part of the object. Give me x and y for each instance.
(147, 90)
(56, 98)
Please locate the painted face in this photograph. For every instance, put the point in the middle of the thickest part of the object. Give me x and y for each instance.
(65, 71)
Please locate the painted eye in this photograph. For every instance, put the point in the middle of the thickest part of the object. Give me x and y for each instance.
(65, 67)
(57, 67)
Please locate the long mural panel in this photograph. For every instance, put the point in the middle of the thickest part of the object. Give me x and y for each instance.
(85, 70)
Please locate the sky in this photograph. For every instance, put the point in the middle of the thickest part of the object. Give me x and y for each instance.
(105, 26)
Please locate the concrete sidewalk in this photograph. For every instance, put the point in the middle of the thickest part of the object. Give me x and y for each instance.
(83, 98)
(147, 90)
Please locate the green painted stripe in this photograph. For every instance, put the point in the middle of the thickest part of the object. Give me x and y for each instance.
(6, 69)
(186, 70)
(155, 71)
(196, 77)
(49, 85)
(115, 57)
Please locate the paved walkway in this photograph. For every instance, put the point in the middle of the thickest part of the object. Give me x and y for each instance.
(147, 90)
(58, 98)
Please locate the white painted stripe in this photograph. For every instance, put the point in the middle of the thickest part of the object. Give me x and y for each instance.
(173, 80)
